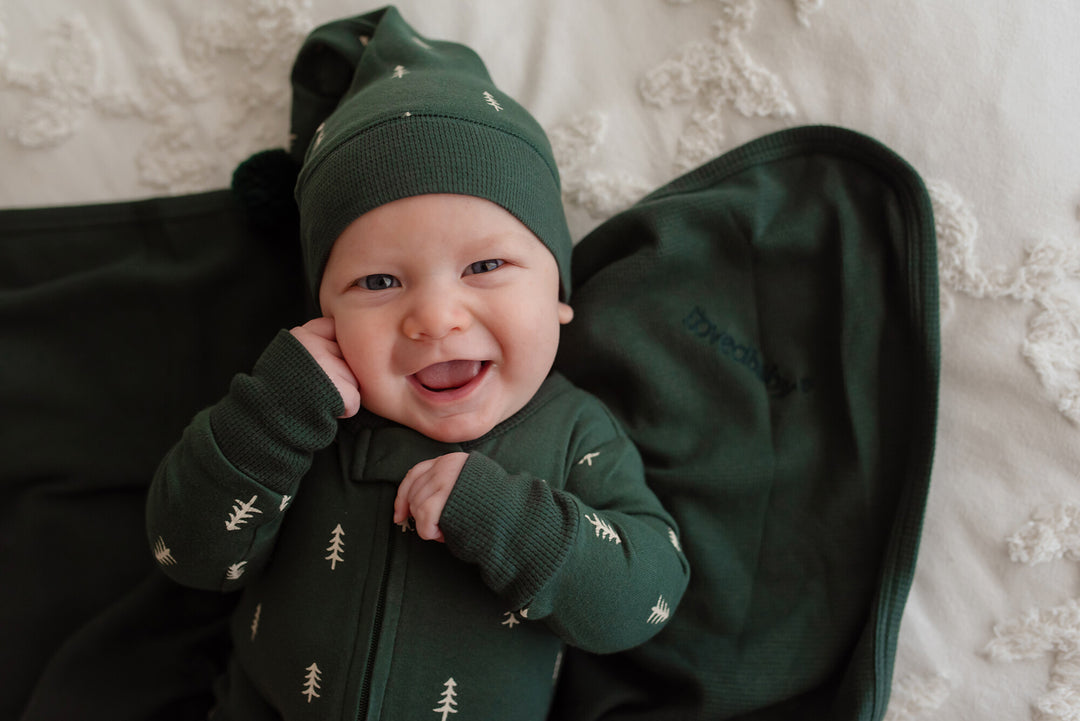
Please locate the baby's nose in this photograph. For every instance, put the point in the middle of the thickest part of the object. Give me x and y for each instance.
(435, 316)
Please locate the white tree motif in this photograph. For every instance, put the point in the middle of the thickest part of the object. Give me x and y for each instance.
(511, 619)
(311, 682)
(336, 547)
(490, 99)
(162, 553)
(61, 100)
(916, 697)
(717, 74)
(400, 72)
(284, 502)
(406, 525)
(587, 458)
(576, 143)
(235, 571)
(1052, 533)
(1039, 632)
(603, 529)
(660, 612)
(447, 700)
(1046, 278)
(169, 93)
(255, 621)
(674, 539)
(241, 513)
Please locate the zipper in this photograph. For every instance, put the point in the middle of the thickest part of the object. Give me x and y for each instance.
(376, 631)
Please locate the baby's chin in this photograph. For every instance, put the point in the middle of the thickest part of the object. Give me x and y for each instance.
(457, 432)
(449, 428)
(460, 428)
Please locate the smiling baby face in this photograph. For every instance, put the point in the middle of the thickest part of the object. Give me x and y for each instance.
(447, 310)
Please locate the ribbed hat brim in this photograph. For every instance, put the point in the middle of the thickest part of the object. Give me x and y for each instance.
(445, 155)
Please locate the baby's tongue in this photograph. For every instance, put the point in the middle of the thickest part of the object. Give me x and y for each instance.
(451, 374)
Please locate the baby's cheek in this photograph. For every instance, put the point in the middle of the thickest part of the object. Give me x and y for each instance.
(361, 371)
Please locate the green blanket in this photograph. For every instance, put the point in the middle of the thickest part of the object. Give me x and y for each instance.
(119, 323)
(765, 327)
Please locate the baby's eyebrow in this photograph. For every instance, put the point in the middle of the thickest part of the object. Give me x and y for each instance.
(501, 239)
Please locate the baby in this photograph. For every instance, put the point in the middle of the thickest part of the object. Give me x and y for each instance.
(420, 406)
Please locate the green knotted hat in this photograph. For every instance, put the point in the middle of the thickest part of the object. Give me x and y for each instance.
(408, 116)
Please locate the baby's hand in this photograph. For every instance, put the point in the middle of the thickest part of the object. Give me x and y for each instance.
(423, 493)
(318, 337)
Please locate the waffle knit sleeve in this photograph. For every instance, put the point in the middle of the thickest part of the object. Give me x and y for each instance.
(217, 498)
(599, 561)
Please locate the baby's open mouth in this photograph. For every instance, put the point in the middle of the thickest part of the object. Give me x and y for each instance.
(450, 374)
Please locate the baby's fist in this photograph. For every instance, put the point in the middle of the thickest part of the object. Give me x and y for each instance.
(424, 491)
(320, 340)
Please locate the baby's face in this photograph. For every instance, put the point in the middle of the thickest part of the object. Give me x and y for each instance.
(446, 308)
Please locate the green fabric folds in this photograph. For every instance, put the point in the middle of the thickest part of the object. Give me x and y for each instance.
(120, 322)
(766, 328)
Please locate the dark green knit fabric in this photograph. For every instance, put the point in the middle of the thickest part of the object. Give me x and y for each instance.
(551, 536)
(120, 322)
(414, 116)
(274, 419)
(485, 492)
(766, 328)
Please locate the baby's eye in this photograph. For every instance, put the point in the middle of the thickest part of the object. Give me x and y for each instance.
(483, 266)
(377, 281)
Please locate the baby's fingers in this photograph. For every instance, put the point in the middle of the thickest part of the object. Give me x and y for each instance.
(322, 327)
(426, 507)
(319, 337)
(402, 506)
(424, 491)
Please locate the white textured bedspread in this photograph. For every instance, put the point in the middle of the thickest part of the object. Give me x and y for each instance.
(119, 99)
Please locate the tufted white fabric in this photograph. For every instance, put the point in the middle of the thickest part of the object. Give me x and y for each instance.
(122, 99)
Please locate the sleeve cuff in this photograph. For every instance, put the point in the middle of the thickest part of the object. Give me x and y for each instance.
(274, 418)
(517, 529)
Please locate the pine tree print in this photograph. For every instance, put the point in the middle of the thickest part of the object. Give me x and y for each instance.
(511, 619)
(162, 553)
(235, 571)
(400, 72)
(490, 99)
(284, 502)
(603, 529)
(674, 539)
(255, 621)
(336, 547)
(660, 612)
(241, 513)
(447, 700)
(587, 458)
(311, 682)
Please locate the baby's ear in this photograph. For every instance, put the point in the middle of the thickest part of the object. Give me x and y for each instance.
(566, 313)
